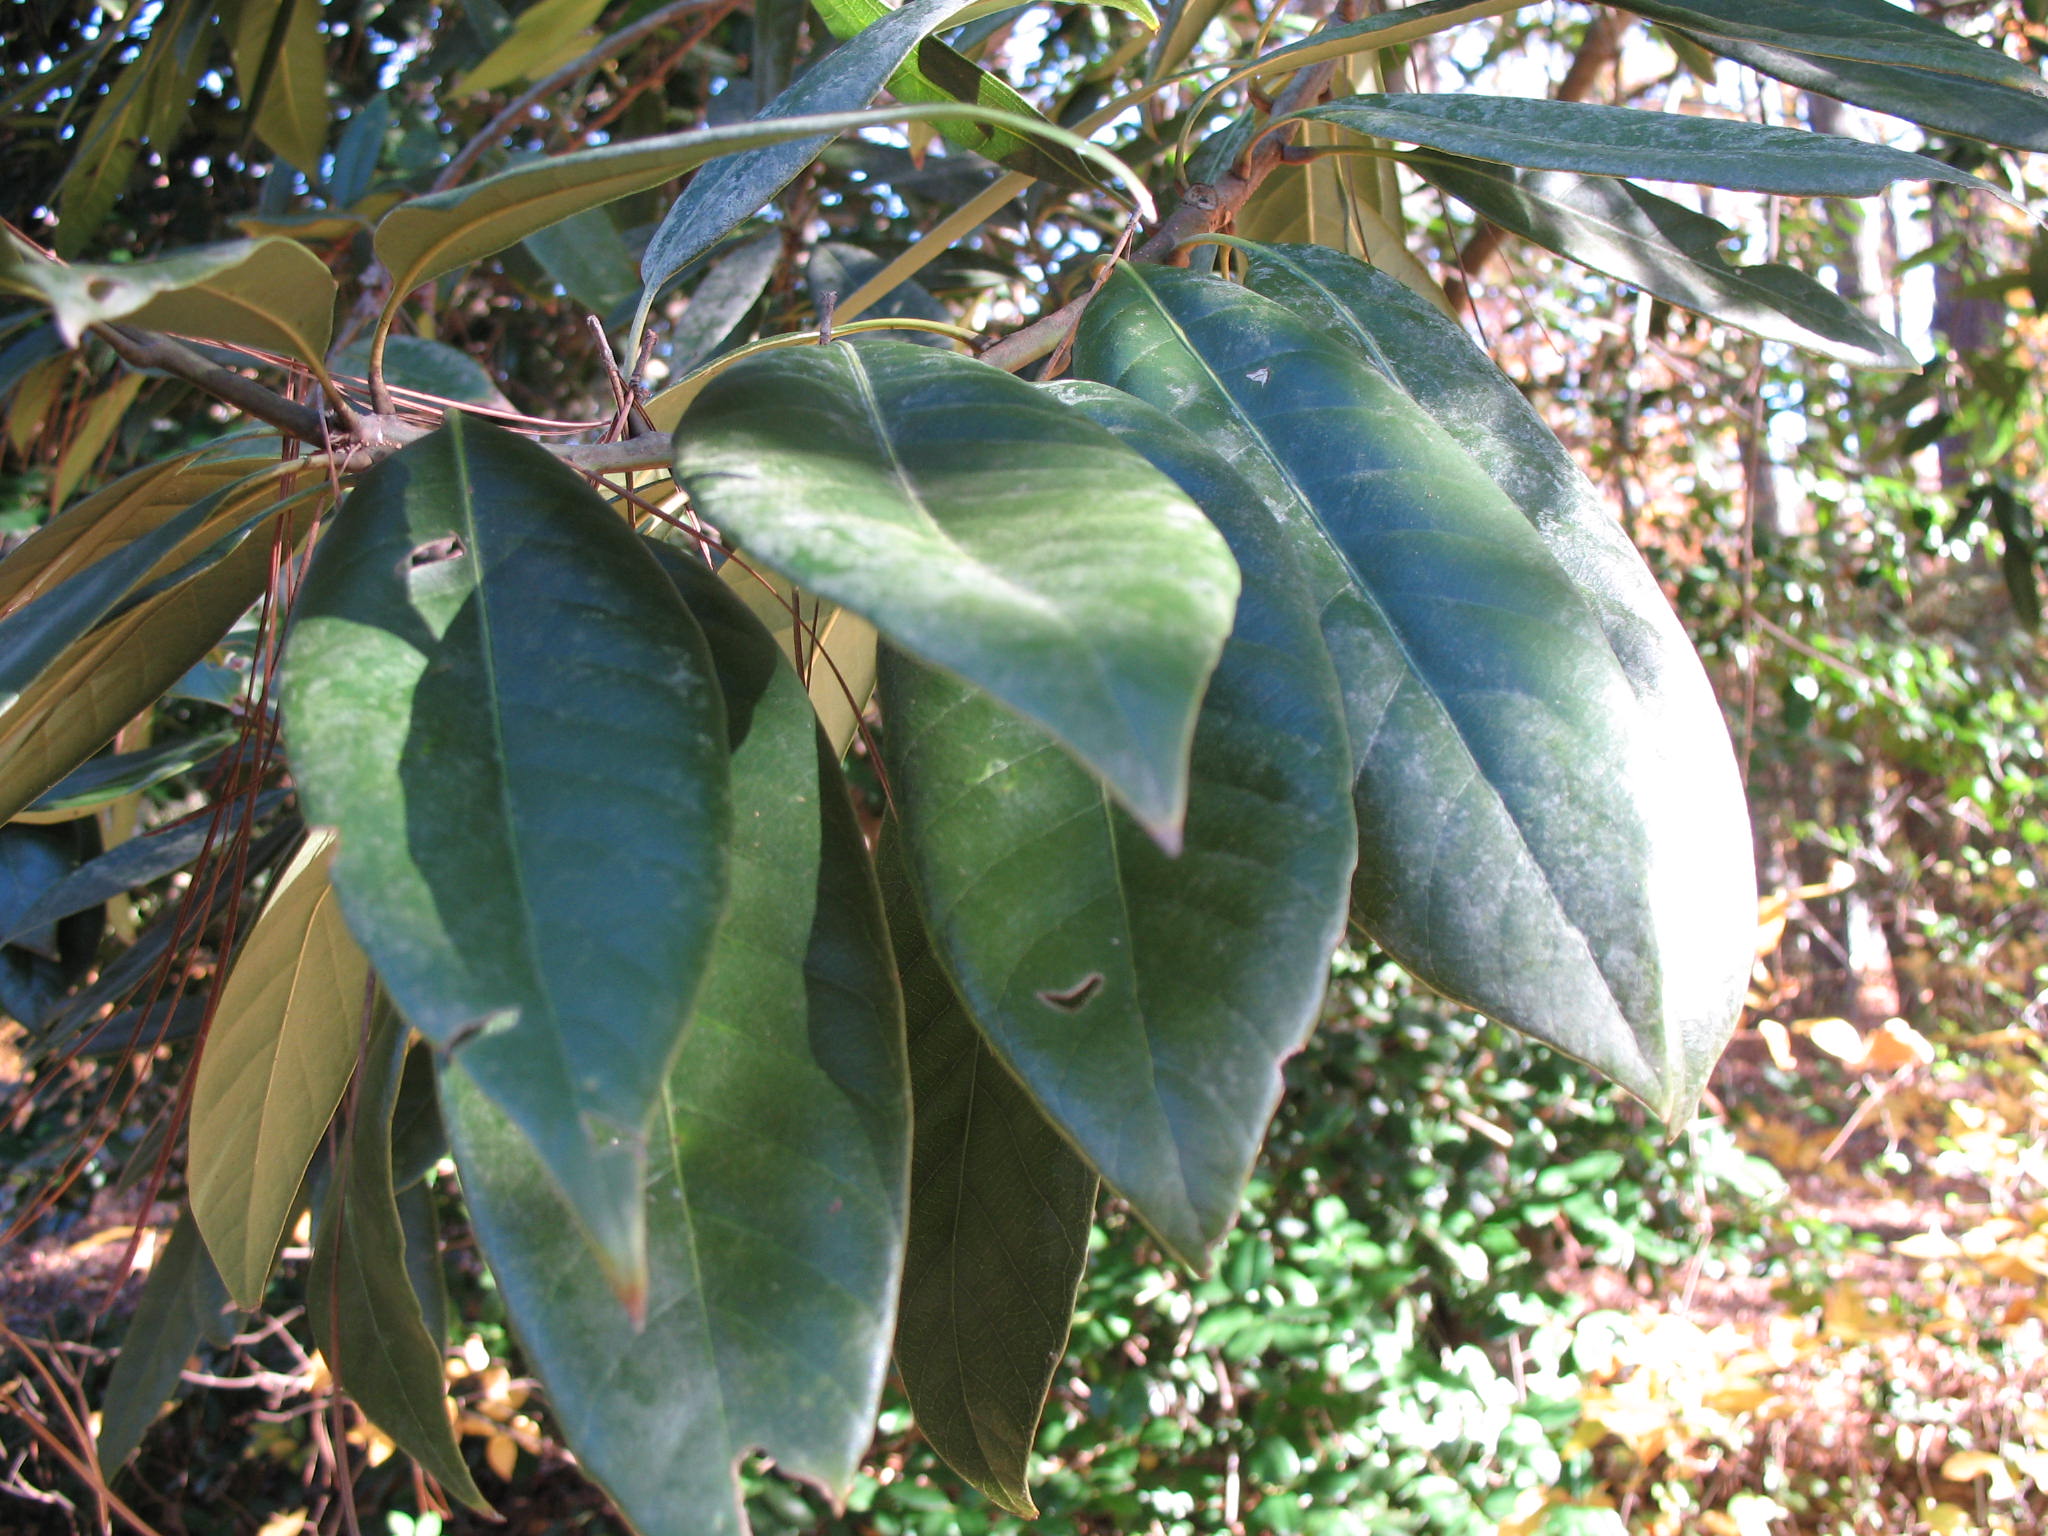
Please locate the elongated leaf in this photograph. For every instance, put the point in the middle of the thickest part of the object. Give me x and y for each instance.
(1666, 249)
(1550, 135)
(493, 694)
(999, 1212)
(180, 1304)
(356, 155)
(360, 1299)
(776, 1203)
(732, 286)
(1146, 1001)
(30, 406)
(281, 67)
(1390, 29)
(1180, 31)
(1952, 103)
(271, 293)
(98, 685)
(1508, 842)
(419, 1219)
(719, 201)
(833, 649)
(277, 1058)
(37, 632)
(134, 863)
(1866, 31)
(426, 367)
(1048, 565)
(1694, 802)
(121, 774)
(585, 254)
(95, 430)
(546, 36)
(426, 237)
(936, 72)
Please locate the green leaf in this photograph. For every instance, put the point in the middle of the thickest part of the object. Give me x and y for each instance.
(1505, 846)
(271, 293)
(732, 286)
(1865, 31)
(724, 197)
(103, 414)
(426, 367)
(546, 36)
(1598, 140)
(180, 1304)
(936, 72)
(278, 1055)
(1146, 1001)
(1179, 33)
(1952, 103)
(121, 774)
(77, 703)
(1048, 565)
(1665, 249)
(281, 67)
(360, 1298)
(777, 1200)
(1390, 29)
(1000, 1206)
(1694, 803)
(427, 237)
(493, 694)
(586, 256)
(360, 148)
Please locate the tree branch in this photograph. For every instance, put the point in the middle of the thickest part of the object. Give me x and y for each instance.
(159, 354)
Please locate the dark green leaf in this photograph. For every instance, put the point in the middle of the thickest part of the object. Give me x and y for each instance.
(1505, 851)
(935, 72)
(356, 156)
(1694, 803)
(1549, 135)
(1146, 1001)
(426, 367)
(492, 692)
(1952, 103)
(126, 773)
(180, 1304)
(1866, 31)
(1666, 249)
(360, 1299)
(776, 1202)
(732, 286)
(986, 530)
(999, 1212)
(586, 256)
(281, 68)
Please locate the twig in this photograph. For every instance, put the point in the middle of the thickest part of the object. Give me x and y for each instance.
(159, 354)
(534, 94)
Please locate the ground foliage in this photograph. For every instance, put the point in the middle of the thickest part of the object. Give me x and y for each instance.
(1146, 663)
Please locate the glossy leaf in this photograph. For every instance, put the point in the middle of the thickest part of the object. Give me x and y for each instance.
(1865, 31)
(127, 866)
(936, 72)
(1145, 1000)
(271, 293)
(1694, 802)
(1506, 836)
(120, 774)
(281, 67)
(1950, 102)
(96, 686)
(1000, 1206)
(427, 237)
(1593, 140)
(725, 196)
(1665, 249)
(360, 1298)
(180, 1304)
(730, 288)
(776, 1200)
(278, 1056)
(426, 367)
(1392, 28)
(487, 683)
(1048, 565)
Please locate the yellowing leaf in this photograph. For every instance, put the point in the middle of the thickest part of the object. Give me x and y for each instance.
(286, 1522)
(1929, 1245)
(1896, 1044)
(1838, 1037)
(277, 1058)
(545, 37)
(502, 1452)
(1778, 1040)
(1968, 1466)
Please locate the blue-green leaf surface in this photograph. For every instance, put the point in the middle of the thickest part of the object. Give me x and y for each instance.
(985, 529)
(496, 697)
(1693, 803)
(1501, 757)
(777, 1191)
(1146, 1001)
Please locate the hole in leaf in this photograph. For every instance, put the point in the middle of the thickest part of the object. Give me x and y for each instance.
(1076, 997)
(435, 552)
